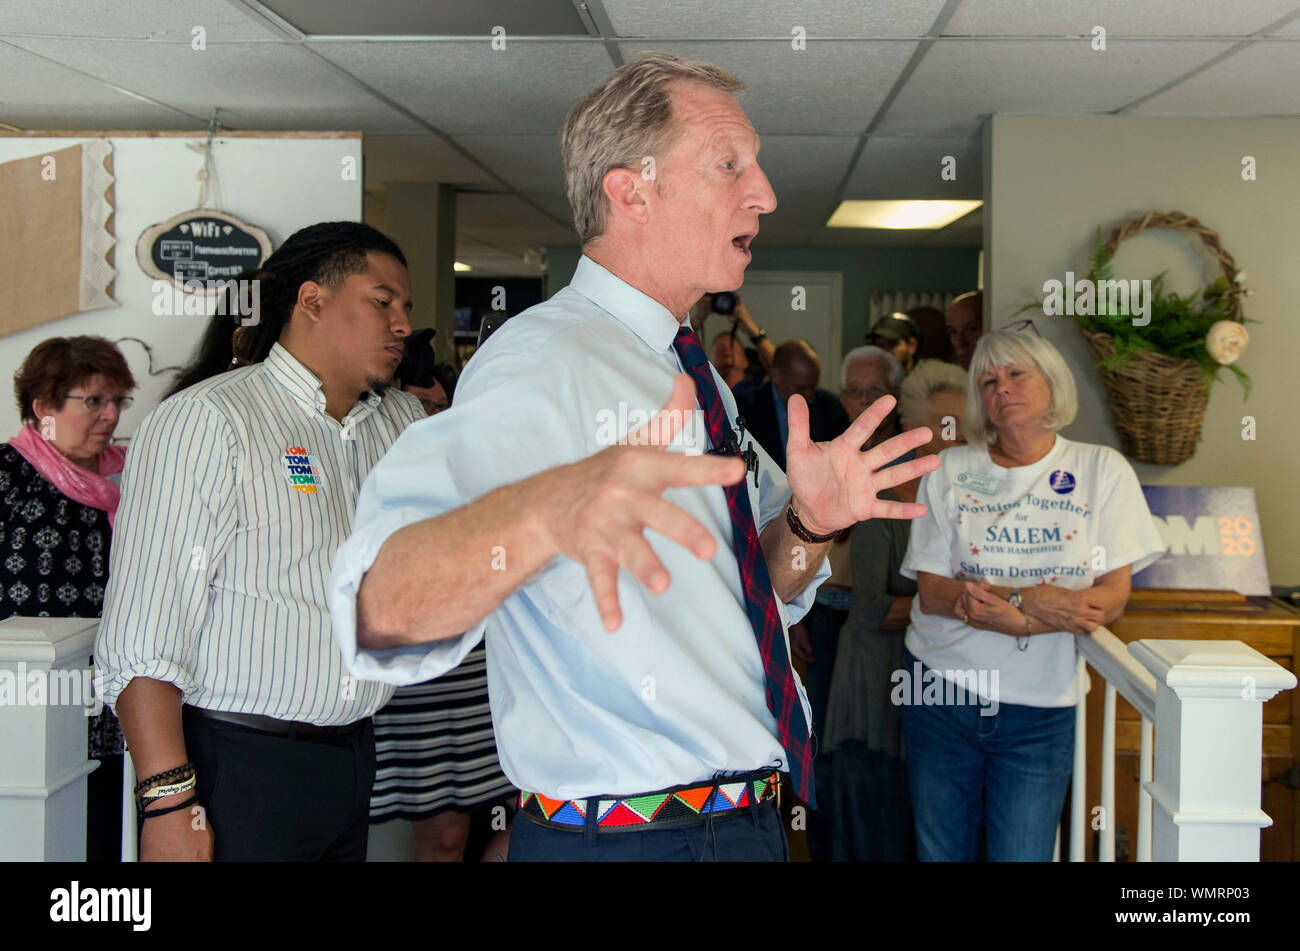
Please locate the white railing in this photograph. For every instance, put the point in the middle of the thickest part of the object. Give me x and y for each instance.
(130, 847)
(1199, 794)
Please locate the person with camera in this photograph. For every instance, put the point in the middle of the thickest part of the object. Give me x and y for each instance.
(741, 371)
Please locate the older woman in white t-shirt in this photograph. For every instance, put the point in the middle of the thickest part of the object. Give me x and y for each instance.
(1029, 542)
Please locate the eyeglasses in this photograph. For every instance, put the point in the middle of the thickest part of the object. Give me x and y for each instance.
(95, 403)
(1022, 325)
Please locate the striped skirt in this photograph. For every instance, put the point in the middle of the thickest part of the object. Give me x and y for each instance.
(435, 749)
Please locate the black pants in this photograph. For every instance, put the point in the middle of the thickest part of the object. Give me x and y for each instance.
(755, 835)
(269, 798)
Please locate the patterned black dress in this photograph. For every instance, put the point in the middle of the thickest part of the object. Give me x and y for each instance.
(54, 563)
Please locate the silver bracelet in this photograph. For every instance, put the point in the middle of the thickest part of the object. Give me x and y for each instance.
(1022, 643)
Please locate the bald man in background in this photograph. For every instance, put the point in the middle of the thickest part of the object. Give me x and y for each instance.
(965, 320)
(796, 368)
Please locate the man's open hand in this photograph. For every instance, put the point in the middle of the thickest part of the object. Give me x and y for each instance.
(835, 483)
(599, 508)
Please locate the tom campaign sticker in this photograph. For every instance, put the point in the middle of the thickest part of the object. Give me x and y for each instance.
(1062, 482)
(301, 470)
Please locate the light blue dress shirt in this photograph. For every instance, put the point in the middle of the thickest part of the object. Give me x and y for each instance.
(677, 692)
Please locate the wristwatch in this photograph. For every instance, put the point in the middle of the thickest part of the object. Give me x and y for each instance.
(801, 531)
(1016, 600)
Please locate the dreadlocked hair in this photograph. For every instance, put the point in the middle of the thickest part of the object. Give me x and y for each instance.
(324, 253)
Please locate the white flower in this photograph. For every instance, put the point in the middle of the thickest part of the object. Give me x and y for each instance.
(1239, 277)
(1226, 341)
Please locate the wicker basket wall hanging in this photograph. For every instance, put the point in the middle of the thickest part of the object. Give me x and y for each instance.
(1158, 400)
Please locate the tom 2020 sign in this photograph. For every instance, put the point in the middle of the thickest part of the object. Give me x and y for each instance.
(201, 246)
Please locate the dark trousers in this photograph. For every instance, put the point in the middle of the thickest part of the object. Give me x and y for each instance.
(269, 798)
(823, 624)
(104, 811)
(756, 835)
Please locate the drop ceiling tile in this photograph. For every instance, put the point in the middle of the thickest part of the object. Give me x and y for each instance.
(772, 18)
(866, 238)
(478, 210)
(1119, 17)
(257, 85)
(530, 163)
(1291, 29)
(805, 172)
(1260, 79)
(523, 235)
(420, 17)
(35, 94)
(160, 20)
(955, 238)
(466, 88)
(965, 78)
(829, 88)
(418, 158)
(557, 205)
(897, 122)
(897, 167)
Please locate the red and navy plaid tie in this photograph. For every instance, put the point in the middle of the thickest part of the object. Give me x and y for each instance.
(760, 601)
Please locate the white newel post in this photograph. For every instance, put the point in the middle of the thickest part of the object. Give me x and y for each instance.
(1208, 733)
(45, 684)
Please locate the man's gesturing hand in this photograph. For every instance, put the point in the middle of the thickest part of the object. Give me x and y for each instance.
(835, 483)
(598, 509)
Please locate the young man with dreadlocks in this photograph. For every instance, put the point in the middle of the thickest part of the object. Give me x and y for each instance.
(250, 739)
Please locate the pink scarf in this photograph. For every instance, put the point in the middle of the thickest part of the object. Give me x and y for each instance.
(78, 484)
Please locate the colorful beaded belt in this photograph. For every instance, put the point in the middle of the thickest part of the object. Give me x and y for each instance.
(683, 806)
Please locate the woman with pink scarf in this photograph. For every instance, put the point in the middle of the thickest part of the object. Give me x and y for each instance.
(58, 497)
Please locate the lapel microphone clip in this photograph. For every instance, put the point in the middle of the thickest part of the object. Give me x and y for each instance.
(731, 446)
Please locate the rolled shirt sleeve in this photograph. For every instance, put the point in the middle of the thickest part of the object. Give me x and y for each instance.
(176, 517)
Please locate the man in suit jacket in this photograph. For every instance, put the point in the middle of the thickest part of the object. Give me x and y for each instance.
(795, 369)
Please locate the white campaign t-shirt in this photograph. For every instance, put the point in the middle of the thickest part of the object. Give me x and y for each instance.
(1068, 518)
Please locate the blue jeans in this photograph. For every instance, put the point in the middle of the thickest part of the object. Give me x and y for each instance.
(1008, 772)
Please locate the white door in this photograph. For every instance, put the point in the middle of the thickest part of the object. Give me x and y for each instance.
(773, 298)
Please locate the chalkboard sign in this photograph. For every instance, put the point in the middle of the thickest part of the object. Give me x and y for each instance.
(1212, 540)
(203, 246)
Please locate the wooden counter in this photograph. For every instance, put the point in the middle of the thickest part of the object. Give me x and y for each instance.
(1266, 624)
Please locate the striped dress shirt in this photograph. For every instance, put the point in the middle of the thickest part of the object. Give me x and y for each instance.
(235, 496)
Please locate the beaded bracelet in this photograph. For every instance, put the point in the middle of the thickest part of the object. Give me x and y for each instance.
(178, 772)
(162, 812)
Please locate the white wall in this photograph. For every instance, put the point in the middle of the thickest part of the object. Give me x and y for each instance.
(1053, 180)
(278, 184)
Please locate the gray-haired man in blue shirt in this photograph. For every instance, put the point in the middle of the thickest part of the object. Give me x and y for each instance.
(640, 721)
